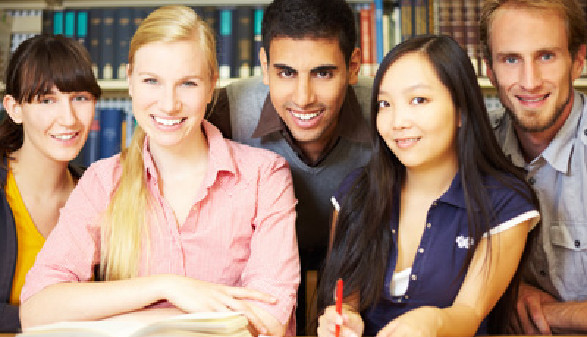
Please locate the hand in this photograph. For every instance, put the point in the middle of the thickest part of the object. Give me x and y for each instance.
(529, 318)
(419, 322)
(192, 295)
(351, 324)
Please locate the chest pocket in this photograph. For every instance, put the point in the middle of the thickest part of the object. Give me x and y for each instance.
(569, 244)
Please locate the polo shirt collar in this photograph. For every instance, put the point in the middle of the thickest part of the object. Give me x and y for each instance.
(220, 158)
(455, 194)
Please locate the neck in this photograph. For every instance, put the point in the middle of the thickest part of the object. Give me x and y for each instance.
(172, 161)
(53, 177)
(534, 143)
(433, 181)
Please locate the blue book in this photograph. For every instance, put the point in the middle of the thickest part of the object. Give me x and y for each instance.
(91, 150)
(379, 30)
(123, 32)
(58, 22)
(108, 44)
(110, 131)
(257, 39)
(225, 42)
(95, 37)
(69, 23)
(81, 28)
(243, 27)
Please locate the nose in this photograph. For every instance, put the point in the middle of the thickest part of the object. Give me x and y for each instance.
(67, 113)
(304, 92)
(400, 119)
(531, 77)
(169, 101)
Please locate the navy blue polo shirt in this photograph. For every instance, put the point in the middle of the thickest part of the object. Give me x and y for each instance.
(435, 279)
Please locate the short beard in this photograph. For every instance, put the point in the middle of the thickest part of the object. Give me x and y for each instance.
(540, 128)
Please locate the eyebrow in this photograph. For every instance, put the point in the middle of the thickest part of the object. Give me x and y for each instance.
(317, 69)
(539, 51)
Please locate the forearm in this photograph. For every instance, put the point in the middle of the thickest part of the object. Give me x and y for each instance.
(457, 320)
(90, 300)
(566, 316)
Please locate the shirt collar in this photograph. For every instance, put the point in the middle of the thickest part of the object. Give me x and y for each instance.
(558, 153)
(455, 194)
(220, 158)
(351, 124)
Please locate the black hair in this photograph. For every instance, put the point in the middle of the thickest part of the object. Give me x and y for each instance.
(362, 239)
(38, 64)
(301, 19)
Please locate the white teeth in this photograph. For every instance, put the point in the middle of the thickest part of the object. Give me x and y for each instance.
(168, 122)
(533, 99)
(64, 137)
(305, 117)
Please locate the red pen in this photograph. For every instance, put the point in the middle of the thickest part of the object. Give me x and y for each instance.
(338, 303)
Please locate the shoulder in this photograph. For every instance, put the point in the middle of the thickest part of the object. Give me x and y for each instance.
(247, 89)
(511, 200)
(104, 173)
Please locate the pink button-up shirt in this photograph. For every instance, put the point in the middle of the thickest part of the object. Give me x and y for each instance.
(239, 232)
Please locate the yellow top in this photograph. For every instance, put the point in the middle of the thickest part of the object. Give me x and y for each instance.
(29, 240)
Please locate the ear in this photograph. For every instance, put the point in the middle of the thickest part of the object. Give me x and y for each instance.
(264, 65)
(579, 62)
(354, 66)
(490, 73)
(128, 81)
(13, 109)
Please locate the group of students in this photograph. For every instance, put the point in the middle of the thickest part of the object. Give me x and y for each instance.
(429, 220)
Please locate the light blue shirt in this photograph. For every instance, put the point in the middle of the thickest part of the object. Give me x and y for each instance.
(558, 264)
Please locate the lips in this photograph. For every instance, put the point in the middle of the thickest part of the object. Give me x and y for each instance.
(65, 136)
(168, 121)
(306, 116)
(406, 142)
(532, 98)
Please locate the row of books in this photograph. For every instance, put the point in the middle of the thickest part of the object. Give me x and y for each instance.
(106, 33)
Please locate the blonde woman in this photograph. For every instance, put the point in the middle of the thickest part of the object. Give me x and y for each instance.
(181, 221)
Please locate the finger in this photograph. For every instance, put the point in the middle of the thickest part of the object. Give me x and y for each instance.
(245, 309)
(524, 318)
(250, 294)
(539, 319)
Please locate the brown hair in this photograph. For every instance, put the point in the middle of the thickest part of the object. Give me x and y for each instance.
(570, 10)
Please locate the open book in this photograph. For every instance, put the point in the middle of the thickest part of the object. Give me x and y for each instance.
(201, 324)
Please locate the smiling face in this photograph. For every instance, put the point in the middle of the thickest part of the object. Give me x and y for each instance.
(532, 66)
(56, 124)
(308, 80)
(170, 85)
(416, 116)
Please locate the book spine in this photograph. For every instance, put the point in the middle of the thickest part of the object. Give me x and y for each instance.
(472, 11)
(379, 29)
(406, 19)
(244, 31)
(366, 44)
(69, 23)
(457, 21)
(58, 22)
(123, 32)
(91, 150)
(225, 42)
(110, 131)
(5, 31)
(257, 39)
(95, 37)
(444, 17)
(421, 15)
(108, 36)
(81, 31)
(47, 21)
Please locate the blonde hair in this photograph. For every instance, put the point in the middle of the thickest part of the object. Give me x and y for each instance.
(125, 226)
(569, 10)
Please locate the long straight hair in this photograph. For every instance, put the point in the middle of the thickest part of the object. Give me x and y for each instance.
(126, 227)
(362, 239)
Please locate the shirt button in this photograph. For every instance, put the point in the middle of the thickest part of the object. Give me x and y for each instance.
(393, 231)
(542, 273)
(428, 225)
(421, 250)
(577, 243)
(414, 277)
(406, 297)
(532, 181)
(399, 300)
